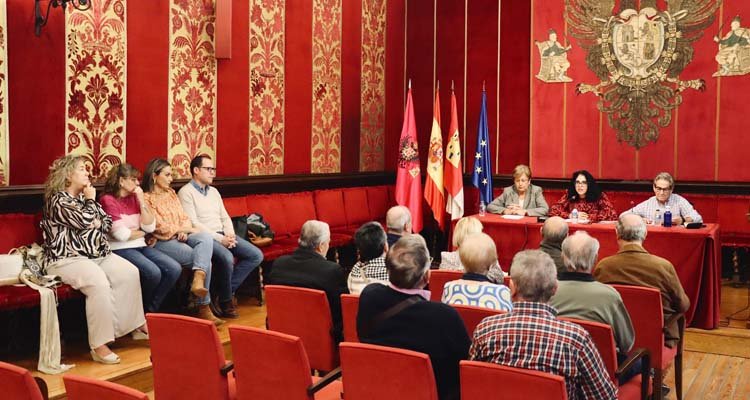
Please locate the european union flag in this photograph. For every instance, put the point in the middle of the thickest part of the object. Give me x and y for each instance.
(482, 175)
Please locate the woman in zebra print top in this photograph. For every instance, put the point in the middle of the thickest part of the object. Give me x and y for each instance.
(77, 250)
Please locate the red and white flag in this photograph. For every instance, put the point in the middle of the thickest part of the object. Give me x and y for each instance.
(408, 178)
(453, 174)
(434, 190)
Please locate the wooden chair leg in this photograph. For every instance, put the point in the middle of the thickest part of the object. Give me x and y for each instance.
(678, 375)
(658, 379)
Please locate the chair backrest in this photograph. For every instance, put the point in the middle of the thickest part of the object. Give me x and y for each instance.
(604, 340)
(349, 307)
(473, 315)
(269, 365)
(187, 356)
(378, 372)
(304, 313)
(508, 383)
(82, 388)
(17, 383)
(438, 279)
(644, 306)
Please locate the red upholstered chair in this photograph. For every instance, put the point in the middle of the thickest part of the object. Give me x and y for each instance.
(235, 206)
(272, 211)
(644, 307)
(604, 339)
(17, 383)
(349, 308)
(83, 388)
(473, 315)
(508, 383)
(438, 279)
(271, 365)
(304, 313)
(356, 207)
(378, 202)
(299, 208)
(378, 372)
(188, 359)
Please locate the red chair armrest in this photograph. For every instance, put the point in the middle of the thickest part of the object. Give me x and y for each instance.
(634, 356)
(227, 368)
(324, 381)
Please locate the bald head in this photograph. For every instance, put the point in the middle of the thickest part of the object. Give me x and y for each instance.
(398, 220)
(579, 252)
(478, 253)
(555, 230)
(631, 228)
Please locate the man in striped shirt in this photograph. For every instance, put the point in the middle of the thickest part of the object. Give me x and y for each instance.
(682, 210)
(532, 337)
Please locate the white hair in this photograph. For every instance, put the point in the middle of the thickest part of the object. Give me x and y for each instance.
(397, 217)
(579, 251)
(534, 275)
(313, 233)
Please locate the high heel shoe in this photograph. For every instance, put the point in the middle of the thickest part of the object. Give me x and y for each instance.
(110, 358)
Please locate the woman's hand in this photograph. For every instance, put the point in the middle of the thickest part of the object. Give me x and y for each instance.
(89, 192)
(182, 236)
(583, 215)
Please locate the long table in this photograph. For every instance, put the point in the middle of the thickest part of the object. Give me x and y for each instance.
(695, 253)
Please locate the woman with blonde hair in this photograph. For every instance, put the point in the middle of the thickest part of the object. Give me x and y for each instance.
(76, 249)
(132, 219)
(520, 198)
(450, 260)
(177, 237)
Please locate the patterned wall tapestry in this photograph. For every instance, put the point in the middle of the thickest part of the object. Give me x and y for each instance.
(372, 126)
(266, 151)
(326, 70)
(4, 165)
(95, 91)
(192, 83)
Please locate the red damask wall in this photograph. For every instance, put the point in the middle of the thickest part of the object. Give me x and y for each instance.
(37, 87)
(459, 41)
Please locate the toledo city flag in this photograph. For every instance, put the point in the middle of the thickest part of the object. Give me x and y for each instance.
(433, 191)
(408, 179)
(481, 178)
(453, 173)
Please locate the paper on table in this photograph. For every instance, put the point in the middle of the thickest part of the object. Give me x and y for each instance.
(512, 216)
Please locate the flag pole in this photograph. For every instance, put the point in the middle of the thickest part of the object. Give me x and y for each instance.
(409, 83)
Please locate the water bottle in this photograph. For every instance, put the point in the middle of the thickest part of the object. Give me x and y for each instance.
(482, 208)
(657, 217)
(574, 215)
(667, 218)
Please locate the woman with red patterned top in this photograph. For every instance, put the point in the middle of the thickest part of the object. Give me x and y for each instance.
(585, 196)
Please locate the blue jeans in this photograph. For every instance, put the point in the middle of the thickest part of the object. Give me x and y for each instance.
(158, 272)
(195, 252)
(248, 258)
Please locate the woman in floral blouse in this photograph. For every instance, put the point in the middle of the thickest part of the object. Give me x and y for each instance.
(177, 237)
(585, 196)
(76, 249)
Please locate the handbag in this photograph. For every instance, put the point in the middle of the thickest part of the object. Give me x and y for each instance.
(254, 229)
(10, 267)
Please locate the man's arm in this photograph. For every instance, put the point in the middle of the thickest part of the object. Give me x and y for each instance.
(594, 380)
(688, 212)
(188, 204)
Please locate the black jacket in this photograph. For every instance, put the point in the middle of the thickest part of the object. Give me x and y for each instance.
(308, 269)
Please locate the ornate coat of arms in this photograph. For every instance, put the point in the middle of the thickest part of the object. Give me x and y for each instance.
(638, 55)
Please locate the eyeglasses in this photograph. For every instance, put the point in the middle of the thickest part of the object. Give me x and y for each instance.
(662, 189)
(582, 183)
(210, 169)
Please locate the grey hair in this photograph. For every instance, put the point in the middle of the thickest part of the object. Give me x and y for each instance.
(631, 229)
(579, 251)
(313, 233)
(665, 176)
(408, 261)
(397, 217)
(534, 275)
(552, 233)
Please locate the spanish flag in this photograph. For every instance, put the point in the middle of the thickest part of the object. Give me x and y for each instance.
(433, 191)
(453, 174)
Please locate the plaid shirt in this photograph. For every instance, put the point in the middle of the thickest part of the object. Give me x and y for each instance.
(678, 205)
(364, 273)
(531, 337)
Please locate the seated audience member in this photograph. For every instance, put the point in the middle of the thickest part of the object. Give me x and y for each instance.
(478, 253)
(123, 201)
(76, 249)
(398, 223)
(401, 315)
(681, 209)
(532, 337)
(203, 204)
(554, 231)
(633, 265)
(177, 237)
(584, 195)
(451, 260)
(307, 267)
(580, 296)
(521, 198)
(372, 246)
